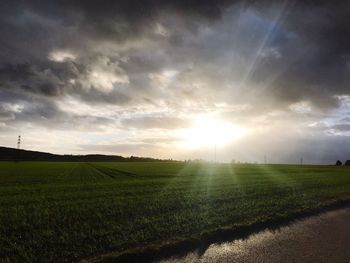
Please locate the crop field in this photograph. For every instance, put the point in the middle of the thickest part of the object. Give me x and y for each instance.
(56, 211)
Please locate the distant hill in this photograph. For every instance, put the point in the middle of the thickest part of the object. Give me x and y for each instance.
(12, 154)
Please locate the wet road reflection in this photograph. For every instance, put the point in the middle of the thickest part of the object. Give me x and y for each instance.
(323, 238)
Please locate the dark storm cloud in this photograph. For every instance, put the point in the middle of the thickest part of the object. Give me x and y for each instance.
(30, 30)
(117, 20)
(28, 78)
(18, 110)
(312, 38)
(309, 42)
(6, 114)
(342, 127)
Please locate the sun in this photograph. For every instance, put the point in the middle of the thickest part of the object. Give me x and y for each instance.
(208, 131)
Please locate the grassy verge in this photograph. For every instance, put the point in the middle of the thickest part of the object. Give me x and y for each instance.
(180, 247)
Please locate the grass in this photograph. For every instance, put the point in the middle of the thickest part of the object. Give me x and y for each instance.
(54, 211)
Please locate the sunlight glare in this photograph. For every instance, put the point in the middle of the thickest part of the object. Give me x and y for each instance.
(208, 131)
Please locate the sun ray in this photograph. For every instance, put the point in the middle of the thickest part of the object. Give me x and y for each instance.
(256, 59)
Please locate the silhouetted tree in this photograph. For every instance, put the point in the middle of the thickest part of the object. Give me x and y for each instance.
(338, 163)
(347, 163)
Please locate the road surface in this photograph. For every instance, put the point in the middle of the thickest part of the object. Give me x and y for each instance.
(323, 238)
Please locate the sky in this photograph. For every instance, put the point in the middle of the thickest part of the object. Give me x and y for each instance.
(225, 80)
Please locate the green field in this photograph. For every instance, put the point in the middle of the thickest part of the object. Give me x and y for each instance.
(52, 211)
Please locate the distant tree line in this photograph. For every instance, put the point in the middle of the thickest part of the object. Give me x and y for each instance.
(12, 154)
(339, 163)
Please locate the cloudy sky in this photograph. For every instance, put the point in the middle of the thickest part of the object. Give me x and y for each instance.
(177, 79)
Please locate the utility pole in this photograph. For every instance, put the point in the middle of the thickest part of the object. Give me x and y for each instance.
(265, 159)
(215, 153)
(18, 148)
(19, 142)
(301, 161)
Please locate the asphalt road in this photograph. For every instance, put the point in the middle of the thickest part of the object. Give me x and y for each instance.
(323, 238)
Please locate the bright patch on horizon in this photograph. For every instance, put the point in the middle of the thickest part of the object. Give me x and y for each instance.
(208, 131)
